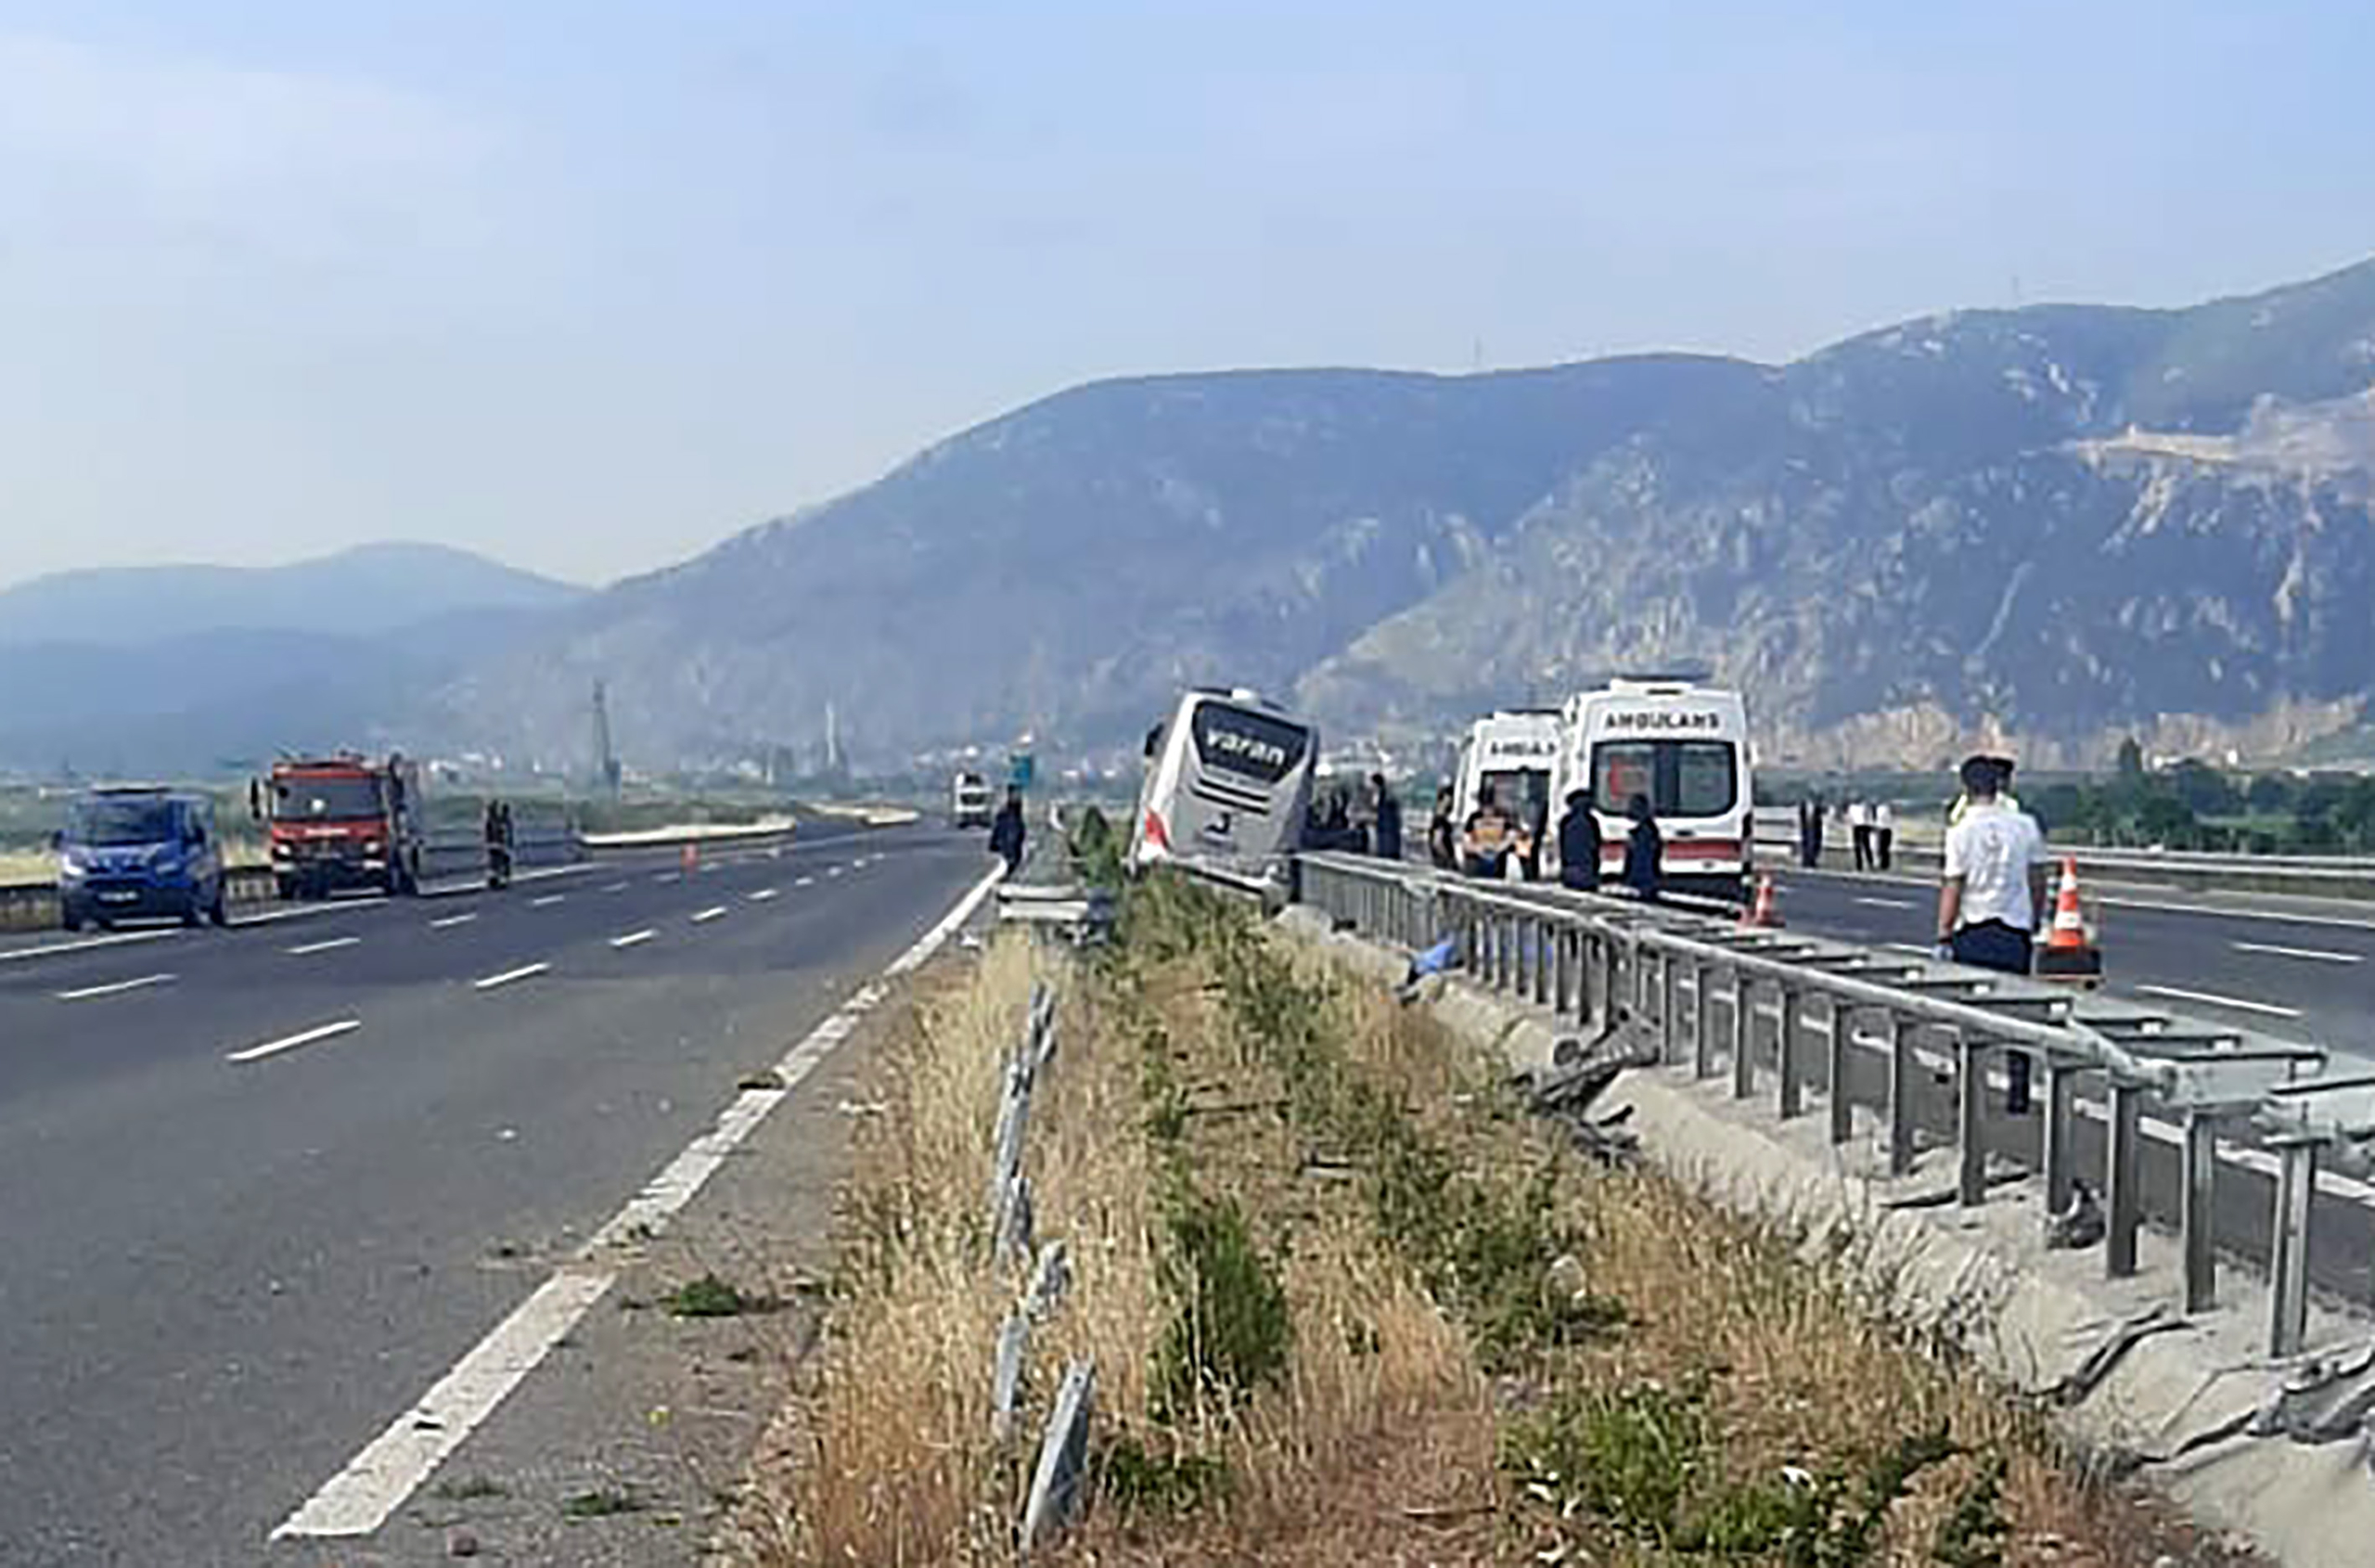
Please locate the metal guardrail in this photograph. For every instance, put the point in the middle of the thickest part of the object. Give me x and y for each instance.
(1701, 986)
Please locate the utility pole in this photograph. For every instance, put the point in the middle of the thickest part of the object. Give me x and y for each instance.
(606, 761)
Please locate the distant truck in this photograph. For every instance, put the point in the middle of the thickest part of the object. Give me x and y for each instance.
(969, 805)
(129, 852)
(343, 822)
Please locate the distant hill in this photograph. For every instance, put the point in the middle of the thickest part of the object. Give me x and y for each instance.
(178, 669)
(362, 592)
(2058, 525)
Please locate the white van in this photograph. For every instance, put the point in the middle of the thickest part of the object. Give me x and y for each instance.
(1514, 751)
(1684, 746)
(1229, 779)
(969, 805)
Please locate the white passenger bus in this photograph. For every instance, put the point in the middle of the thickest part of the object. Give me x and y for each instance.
(1513, 752)
(1229, 779)
(1684, 747)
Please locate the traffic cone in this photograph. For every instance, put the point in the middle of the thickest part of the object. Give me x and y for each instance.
(2067, 954)
(1762, 912)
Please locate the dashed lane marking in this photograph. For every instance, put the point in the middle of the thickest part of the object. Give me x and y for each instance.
(450, 922)
(714, 912)
(93, 993)
(510, 977)
(328, 944)
(2311, 954)
(310, 1038)
(633, 938)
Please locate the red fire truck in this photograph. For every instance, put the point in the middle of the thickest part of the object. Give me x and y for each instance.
(342, 821)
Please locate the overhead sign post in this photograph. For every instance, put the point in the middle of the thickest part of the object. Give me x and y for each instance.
(1020, 770)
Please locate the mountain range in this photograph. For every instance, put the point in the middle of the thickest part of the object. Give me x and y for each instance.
(2046, 527)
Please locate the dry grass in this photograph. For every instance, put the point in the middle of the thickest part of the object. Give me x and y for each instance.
(1205, 1065)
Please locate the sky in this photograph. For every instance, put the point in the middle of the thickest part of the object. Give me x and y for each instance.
(590, 285)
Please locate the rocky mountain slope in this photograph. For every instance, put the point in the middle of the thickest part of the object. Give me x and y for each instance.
(2057, 523)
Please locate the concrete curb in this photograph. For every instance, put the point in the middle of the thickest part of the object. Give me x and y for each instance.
(1983, 1277)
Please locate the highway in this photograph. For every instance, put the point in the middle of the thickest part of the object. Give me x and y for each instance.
(261, 1180)
(2294, 969)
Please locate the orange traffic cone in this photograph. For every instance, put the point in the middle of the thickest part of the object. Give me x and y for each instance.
(1762, 912)
(2068, 954)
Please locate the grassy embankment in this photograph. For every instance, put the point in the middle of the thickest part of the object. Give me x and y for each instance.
(1348, 1304)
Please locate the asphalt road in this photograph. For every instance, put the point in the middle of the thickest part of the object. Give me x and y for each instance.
(2289, 969)
(267, 1183)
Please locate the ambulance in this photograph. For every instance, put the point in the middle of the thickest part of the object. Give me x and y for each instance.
(1512, 751)
(1682, 745)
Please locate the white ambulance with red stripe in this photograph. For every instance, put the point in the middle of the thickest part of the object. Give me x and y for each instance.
(1682, 745)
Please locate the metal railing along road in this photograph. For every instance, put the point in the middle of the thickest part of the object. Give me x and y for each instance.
(2137, 1097)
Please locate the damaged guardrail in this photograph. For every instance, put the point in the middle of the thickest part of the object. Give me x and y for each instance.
(1796, 1016)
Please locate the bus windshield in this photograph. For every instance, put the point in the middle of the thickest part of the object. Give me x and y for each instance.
(1259, 746)
(1681, 778)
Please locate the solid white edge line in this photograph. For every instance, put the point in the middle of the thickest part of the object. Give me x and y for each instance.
(2315, 955)
(310, 1038)
(525, 971)
(359, 1498)
(633, 938)
(329, 944)
(714, 912)
(450, 922)
(2211, 998)
(116, 988)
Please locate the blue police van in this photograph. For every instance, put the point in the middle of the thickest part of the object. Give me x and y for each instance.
(134, 852)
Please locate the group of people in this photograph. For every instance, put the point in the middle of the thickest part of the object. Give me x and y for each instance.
(1493, 841)
(1872, 830)
(1372, 827)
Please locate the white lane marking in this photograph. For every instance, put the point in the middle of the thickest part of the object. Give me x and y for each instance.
(832, 871)
(765, 894)
(669, 876)
(1886, 903)
(2315, 955)
(92, 993)
(548, 901)
(359, 1499)
(2211, 998)
(508, 977)
(714, 912)
(450, 922)
(1913, 947)
(616, 887)
(89, 945)
(310, 1038)
(633, 938)
(307, 911)
(805, 881)
(328, 944)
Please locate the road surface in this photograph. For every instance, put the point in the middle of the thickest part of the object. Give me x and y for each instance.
(267, 1185)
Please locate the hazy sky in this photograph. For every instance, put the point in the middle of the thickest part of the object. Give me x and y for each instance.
(591, 285)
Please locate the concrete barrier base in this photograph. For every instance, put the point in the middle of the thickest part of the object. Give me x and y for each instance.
(2039, 1321)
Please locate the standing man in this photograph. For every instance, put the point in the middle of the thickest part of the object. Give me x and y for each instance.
(1385, 831)
(1579, 844)
(1859, 833)
(1007, 832)
(1885, 834)
(1443, 838)
(1644, 850)
(1994, 881)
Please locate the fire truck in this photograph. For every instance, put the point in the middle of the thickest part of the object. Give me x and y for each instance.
(341, 822)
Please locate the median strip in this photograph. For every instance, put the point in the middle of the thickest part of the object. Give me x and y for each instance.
(633, 938)
(92, 993)
(329, 944)
(310, 1038)
(509, 977)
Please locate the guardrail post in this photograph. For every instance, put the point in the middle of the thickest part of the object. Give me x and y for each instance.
(1670, 1008)
(1840, 1041)
(1744, 1036)
(1787, 1062)
(1970, 1120)
(1898, 1033)
(1544, 943)
(2120, 1177)
(2061, 1132)
(2288, 1274)
(2197, 1215)
(1702, 1027)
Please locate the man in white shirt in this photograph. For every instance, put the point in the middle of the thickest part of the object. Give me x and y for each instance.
(1884, 835)
(1993, 885)
(1859, 834)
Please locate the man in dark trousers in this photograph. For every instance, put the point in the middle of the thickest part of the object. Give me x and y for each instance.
(1385, 831)
(1579, 844)
(1007, 832)
(1442, 836)
(1644, 850)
